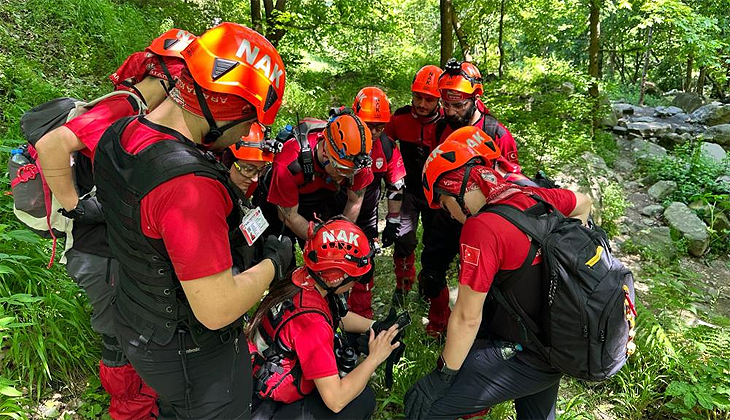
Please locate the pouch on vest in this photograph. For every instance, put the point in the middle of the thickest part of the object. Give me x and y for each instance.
(588, 295)
(33, 202)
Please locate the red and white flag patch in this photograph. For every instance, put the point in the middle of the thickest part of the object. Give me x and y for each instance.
(469, 254)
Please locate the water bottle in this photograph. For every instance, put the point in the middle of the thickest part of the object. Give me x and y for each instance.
(508, 350)
(17, 156)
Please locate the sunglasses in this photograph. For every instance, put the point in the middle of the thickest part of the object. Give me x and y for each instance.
(249, 171)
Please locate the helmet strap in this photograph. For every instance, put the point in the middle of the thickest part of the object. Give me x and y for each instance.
(462, 190)
(215, 131)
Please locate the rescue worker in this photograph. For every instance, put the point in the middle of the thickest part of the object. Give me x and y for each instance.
(413, 126)
(460, 87)
(170, 209)
(319, 158)
(372, 107)
(472, 372)
(147, 74)
(293, 333)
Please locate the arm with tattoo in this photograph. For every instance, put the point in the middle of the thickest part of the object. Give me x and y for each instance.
(354, 203)
(294, 221)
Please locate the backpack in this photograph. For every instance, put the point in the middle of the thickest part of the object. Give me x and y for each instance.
(33, 202)
(301, 134)
(588, 300)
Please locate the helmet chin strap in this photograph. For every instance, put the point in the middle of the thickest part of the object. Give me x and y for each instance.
(215, 132)
(330, 290)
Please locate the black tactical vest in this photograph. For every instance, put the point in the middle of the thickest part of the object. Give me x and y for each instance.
(149, 294)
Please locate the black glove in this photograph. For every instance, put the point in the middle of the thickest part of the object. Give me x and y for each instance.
(379, 326)
(280, 252)
(420, 396)
(87, 210)
(390, 233)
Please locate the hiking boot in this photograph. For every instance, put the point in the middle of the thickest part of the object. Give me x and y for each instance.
(399, 298)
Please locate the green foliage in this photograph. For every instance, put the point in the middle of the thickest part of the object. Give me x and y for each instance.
(613, 206)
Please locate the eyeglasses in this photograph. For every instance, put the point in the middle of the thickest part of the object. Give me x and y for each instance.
(456, 106)
(376, 126)
(249, 171)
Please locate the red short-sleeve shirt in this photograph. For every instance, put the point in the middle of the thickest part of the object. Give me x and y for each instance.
(490, 243)
(188, 213)
(91, 125)
(286, 186)
(392, 169)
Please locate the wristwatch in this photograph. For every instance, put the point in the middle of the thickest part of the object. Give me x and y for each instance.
(441, 367)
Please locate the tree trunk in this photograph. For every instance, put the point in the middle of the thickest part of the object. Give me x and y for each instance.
(646, 66)
(447, 37)
(272, 11)
(688, 74)
(701, 80)
(593, 66)
(256, 16)
(499, 41)
(460, 35)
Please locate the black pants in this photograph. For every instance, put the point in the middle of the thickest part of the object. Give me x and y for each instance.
(440, 246)
(486, 379)
(212, 381)
(312, 407)
(414, 207)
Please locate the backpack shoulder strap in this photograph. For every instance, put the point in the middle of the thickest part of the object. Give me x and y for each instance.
(533, 221)
(440, 128)
(306, 155)
(387, 145)
(490, 125)
(136, 101)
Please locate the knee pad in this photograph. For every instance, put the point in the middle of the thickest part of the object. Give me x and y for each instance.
(430, 283)
(405, 245)
(111, 352)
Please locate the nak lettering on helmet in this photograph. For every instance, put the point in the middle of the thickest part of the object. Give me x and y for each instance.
(436, 152)
(263, 64)
(329, 236)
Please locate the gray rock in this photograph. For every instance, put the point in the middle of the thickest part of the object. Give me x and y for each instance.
(619, 130)
(645, 118)
(662, 190)
(701, 208)
(713, 151)
(566, 88)
(724, 182)
(645, 150)
(684, 128)
(658, 240)
(652, 210)
(624, 109)
(684, 220)
(667, 111)
(688, 101)
(720, 134)
(669, 140)
(721, 223)
(686, 137)
(649, 129)
(624, 165)
(609, 120)
(712, 114)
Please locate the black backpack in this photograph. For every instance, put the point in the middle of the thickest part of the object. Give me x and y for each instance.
(588, 299)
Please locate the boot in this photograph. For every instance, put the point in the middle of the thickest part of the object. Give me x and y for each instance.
(438, 314)
(405, 271)
(131, 397)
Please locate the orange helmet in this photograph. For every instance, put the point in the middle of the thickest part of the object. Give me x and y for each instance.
(337, 244)
(171, 43)
(449, 156)
(460, 76)
(233, 59)
(348, 142)
(252, 147)
(426, 80)
(477, 139)
(372, 106)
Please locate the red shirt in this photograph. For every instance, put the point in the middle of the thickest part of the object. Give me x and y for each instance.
(405, 126)
(490, 243)
(313, 342)
(188, 213)
(287, 186)
(392, 170)
(91, 125)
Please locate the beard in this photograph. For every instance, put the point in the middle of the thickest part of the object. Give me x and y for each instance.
(455, 121)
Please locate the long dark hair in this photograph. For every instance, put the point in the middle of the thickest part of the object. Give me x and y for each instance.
(279, 291)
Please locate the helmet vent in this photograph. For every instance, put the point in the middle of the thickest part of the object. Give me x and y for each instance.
(271, 97)
(168, 43)
(450, 156)
(222, 66)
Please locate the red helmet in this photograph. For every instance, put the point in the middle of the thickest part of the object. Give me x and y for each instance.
(233, 59)
(426, 80)
(251, 147)
(372, 106)
(477, 139)
(348, 142)
(337, 244)
(449, 156)
(171, 43)
(460, 80)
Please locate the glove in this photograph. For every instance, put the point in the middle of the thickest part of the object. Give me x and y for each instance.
(390, 233)
(280, 252)
(87, 210)
(377, 327)
(425, 392)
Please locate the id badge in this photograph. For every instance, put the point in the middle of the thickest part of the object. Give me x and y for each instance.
(253, 225)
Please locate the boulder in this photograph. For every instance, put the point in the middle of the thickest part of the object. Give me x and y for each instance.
(688, 101)
(721, 223)
(685, 128)
(724, 182)
(662, 190)
(720, 134)
(657, 240)
(652, 210)
(620, 130)
(649, 129)
(713, 151)
(669, 140)
(624, 165)
(646, 150)
(645, 118)
(712, 114)
(609, 120)
(621, 109)
(566, 87)
(686, 222)
(667, 111)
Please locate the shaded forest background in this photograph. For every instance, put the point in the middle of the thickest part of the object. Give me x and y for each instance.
(551, 68)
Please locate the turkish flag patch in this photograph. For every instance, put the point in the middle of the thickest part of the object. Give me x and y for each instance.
(469, 254)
